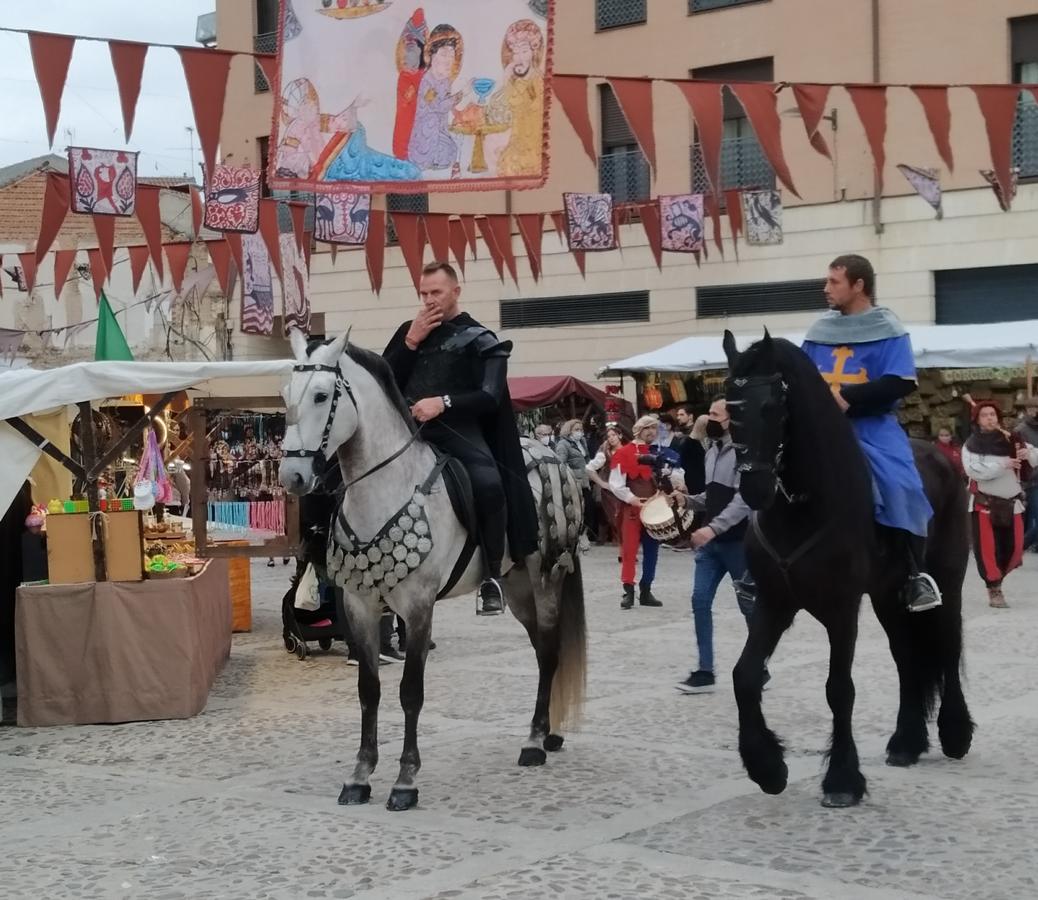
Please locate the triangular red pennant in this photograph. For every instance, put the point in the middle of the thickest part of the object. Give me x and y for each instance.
(490, 239)
(571, 92)
(220, 254)
(63, 262)
(128, 63)
(197, 212)
(333, 251)
(233, 241)
(149, 216)
(870, 101)
(501, 225)
(713, 209)
(733, 203)
(308, 249)
(531, 230)
(650, 216)
(206, 74)
(998, 104)
(705, 101)
(55, 208)
(938, 116)
(761, 105)
(298, 213)
(468, 225)
(178, 255)
(458, 242)
(437, 230)
(97, 271)
(375, 248)
(271, 232)
(811, 100)
(635, 98)
(409, 235)
(28, 263)
(51, 55)
(558, 219)
(104, 228)
(268, 62)
(138, 263)
(581, 257)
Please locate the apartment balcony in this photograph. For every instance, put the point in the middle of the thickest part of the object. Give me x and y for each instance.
(743, 166)
(625, 175)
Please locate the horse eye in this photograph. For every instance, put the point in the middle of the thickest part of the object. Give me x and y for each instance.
(320, 398)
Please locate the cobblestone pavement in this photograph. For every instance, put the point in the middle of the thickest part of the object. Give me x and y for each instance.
(648, 798)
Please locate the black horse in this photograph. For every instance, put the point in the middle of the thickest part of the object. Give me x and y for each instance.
(814, 546)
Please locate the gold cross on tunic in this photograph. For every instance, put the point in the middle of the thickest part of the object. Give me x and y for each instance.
(837, 378)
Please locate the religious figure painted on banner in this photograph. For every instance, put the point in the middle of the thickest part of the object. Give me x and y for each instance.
(432, 146)
(342, 218)
(410, 63)
(519, 104)
(319, 146)
(424, 96)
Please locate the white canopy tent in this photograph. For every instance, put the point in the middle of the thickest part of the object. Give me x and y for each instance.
(27, 391)
(996, 345)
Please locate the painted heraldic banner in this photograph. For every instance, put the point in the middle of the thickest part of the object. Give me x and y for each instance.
(412, 96)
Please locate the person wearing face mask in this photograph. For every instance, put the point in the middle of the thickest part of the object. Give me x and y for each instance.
(632, 483)
(718, 543)
(571, 448)
(545, 435)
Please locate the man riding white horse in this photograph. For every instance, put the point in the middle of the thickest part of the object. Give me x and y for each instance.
(454, 373)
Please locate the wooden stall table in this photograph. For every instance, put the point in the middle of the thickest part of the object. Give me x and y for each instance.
(121, 652)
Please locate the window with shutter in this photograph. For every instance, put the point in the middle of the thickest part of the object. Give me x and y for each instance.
(718, 302)
(601, 309)
(403, 203)
(265, 39)
(1024, 34)
(623, 170)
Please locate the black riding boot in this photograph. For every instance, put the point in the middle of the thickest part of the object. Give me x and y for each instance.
(490, 600)
(920, 591)
(628, 599)
(645, 597)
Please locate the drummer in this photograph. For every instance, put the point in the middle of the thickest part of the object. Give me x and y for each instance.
(718, 544)
(632, 483)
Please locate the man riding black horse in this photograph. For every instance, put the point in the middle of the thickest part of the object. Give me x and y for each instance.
(454, 373)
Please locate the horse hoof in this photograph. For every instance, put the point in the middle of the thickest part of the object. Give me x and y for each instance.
(773, 781)
(401, 799)
(532, 756)
(901, 759)
(553, 743)
(839, 800)
(354, 794)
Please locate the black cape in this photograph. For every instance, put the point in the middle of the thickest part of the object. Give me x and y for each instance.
(500, 432)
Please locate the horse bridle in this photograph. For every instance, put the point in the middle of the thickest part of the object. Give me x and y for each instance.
(342, 385)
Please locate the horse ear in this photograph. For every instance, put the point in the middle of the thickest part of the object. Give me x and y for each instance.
(338, 346)
(297, 340)
(730, 350)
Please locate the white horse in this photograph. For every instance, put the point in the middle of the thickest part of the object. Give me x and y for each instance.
(397, 542)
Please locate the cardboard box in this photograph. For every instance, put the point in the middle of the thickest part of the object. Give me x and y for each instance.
(70, 550)
(124, 547)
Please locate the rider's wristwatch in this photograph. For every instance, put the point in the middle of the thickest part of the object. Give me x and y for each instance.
(446, 401)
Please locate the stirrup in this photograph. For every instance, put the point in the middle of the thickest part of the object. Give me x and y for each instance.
(929, 594)
(490, 599)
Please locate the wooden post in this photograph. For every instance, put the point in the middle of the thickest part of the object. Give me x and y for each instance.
(88, 444)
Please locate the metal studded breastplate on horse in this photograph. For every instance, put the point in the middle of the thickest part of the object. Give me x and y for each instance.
(445, 364)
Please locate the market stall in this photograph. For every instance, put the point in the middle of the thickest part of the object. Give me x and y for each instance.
(554, 398)
(123, 628)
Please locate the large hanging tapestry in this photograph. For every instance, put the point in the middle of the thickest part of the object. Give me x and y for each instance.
(257, 297)
(342, 218)
(589, 221)
(104, 182)
(296, 286)
(681, 223)
(413, 97)
(232, 199)
(762, 216)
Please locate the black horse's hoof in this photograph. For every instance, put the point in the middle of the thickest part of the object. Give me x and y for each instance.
(401, 799)
(354, 794)
(532, 756)
(839, 800)
(772, 779)
(901, 759)
(553, 743)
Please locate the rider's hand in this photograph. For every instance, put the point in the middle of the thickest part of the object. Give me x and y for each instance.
(840, 402)
(702, 536)
(427, 320)
(428, 409)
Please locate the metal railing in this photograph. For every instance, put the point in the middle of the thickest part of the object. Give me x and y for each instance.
(743, 165)
(1025, 139)
(264, 43)
(625, 175)
(695, 6)
(617, 13)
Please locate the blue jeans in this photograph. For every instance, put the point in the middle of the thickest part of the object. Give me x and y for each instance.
(1031, 519)
(713, 562)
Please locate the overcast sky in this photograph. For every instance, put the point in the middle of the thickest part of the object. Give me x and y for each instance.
(90, 112)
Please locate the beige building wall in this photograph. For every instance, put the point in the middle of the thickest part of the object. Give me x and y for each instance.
(927, 41)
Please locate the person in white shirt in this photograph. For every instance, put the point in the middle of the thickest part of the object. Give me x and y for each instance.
(599, 466)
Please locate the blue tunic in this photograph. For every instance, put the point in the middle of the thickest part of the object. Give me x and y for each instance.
(898, 492)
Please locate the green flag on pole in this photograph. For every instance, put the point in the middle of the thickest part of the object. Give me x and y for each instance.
(111, 342)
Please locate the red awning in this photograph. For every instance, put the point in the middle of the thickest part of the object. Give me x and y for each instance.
(533, 391)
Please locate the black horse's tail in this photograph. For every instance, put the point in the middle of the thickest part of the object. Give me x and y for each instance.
(570, 681)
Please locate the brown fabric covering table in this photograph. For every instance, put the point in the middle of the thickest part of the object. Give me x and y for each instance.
(121, 652)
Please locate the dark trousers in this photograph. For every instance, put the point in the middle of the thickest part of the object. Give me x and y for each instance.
(997, 549)
(468, 445)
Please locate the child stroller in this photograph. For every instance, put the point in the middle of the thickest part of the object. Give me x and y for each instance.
(302, 626)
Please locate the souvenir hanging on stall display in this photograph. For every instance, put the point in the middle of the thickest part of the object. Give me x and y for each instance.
(152, 484)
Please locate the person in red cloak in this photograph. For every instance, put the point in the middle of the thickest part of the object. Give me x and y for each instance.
(410, 56)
